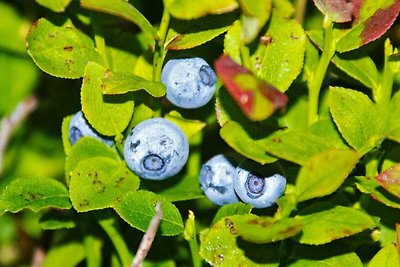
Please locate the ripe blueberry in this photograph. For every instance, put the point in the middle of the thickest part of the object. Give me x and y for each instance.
(216, 180)
(190, 82)
(79, 127)
(256, 185)
(156, 149)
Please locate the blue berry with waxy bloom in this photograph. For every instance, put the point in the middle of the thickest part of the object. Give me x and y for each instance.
(79, 127)
(216, 180)
(257, 185)
(190, 82)
(156, 149)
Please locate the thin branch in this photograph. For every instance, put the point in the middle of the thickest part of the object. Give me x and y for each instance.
(148, 238)
(10, 123)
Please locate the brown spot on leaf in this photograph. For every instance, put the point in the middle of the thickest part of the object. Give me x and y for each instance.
(266, 40)
(51, 35)
(68, 48)
(84, 203)
(36, 23)
(229, 224)
(276, 140)
(107, 73)
(69, 27)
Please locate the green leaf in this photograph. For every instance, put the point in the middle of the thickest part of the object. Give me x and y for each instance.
(324, 173)
(296, 146)
(86, 148)
(348, 259)
(183, 9)
(109, 115)
(55, 5)
(255, 14)
(137, 209)
(280, 60)
(118, 83)
(257, 99)
(231, 209)
(236, 136)
(232, 42)
(356, 118)
(122, 9)
(372, 187)
(100, 182)
(265, 229)
(185, 189)
(66, 255)
(386, 257)
(372, 19)
(357, 64)
(34, 193)
(393, 124)
(325, 223)
(390, 180)
(62, 51)
(188, 34)
(219, 247)
(189, 127)
(57, 219)
(65, 134)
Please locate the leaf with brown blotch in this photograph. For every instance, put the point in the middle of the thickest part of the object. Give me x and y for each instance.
(390, 180)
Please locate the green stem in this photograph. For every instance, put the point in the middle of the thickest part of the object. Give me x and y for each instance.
(111, 230)
(384, 92)
(160, 52)
(92, 249)
(194, 250)
(300, 10)
(319, 75)
(99, 38)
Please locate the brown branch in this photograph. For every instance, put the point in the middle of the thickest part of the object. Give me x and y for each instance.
(148, 238)
(9, 124)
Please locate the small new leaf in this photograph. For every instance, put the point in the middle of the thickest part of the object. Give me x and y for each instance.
(390, 180)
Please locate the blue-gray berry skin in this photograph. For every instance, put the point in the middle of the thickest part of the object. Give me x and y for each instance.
(216, 180)
(257, 187)
(156, 149)
(79, 127)
(190, 82)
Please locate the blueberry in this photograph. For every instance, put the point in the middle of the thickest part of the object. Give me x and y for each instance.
(216, 180)
(79, 127)
(190, 82)
(258, 185)
(156, 149)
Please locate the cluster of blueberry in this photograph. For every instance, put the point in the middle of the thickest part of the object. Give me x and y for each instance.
(157, 149)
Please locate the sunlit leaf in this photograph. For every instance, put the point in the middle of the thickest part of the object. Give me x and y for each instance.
(138, 208)
(386, 257)
(324, 173)
(348, 259)
(183, 9)
(390, 180)
(231, 209)
(55, 5)
(325, 223)
(109, 115)
(279, 56)
(372, 187)
(336, 10)
(60, 50)
(34, 193)
(255, 14)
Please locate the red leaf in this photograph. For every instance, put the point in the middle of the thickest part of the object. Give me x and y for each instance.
(249, 92)
(336, 10)
(390, 180)
(380, 22)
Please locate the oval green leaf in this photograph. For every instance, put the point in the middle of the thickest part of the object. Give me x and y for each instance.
(109, 115)
(55, 5)
(386, 257)
(118, 83)
(279, 59)
(231, 209)
(183, 9)
(324, 173)
(61, 51)
(34, 193)
(66, 255)
(138, 208)
(325, 223)
(100, 182)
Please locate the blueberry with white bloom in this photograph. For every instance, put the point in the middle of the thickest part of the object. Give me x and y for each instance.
(258, 185)
(190, 82)
(216, 180)
(79, 127)
(156, 149)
